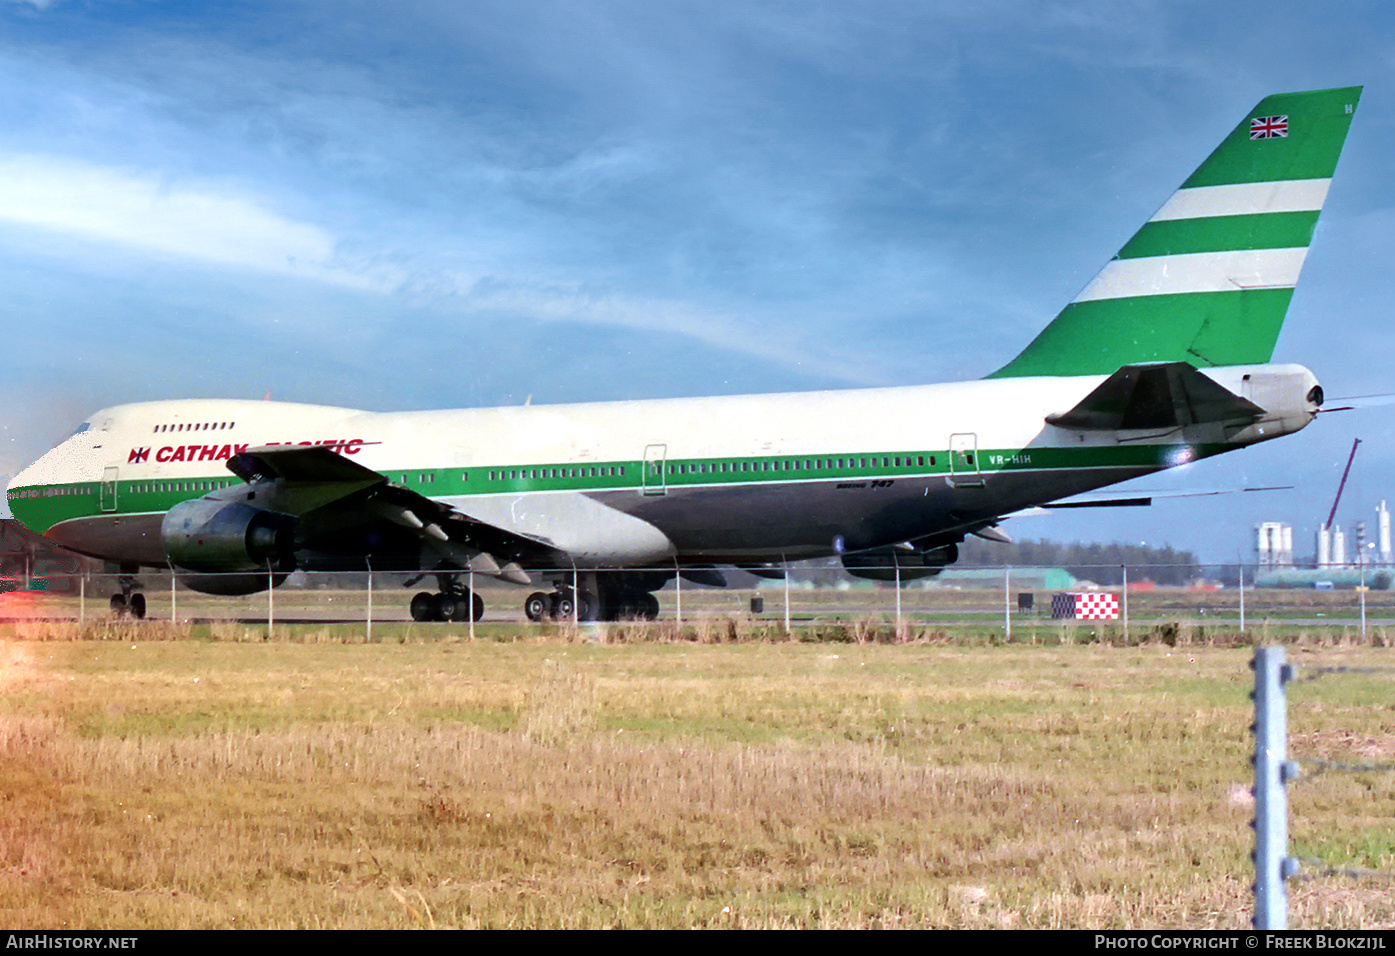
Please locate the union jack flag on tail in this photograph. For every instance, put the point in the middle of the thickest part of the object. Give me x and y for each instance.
(1269, 127)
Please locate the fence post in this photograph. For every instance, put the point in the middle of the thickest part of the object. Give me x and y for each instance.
(787, 595)
(1125, 569)
(1007, 604)
(368, 634)
(896, 561)
(1242, 599)
(1272, 771)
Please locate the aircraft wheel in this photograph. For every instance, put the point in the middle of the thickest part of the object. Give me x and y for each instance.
(537, 606)
(118, 605)
(138, 606)
(448, 608)
(423, 606)
(562, 607)
(588, 607)
(651, 607)
(476, 607)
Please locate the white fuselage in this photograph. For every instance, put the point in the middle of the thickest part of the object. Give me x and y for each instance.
(737, 478)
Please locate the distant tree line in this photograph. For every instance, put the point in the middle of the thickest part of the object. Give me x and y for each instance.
(1101, 563)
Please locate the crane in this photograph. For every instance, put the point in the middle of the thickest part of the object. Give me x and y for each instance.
(1335, 501)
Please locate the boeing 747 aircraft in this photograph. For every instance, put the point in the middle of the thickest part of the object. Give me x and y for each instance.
(1161, 360)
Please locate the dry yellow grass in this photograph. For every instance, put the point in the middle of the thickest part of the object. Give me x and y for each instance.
(178, 783)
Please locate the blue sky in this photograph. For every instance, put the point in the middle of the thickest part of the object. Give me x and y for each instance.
(435, 204)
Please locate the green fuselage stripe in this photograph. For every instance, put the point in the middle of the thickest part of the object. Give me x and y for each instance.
(40, 508)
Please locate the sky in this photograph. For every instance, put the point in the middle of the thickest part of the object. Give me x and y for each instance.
(442, 204)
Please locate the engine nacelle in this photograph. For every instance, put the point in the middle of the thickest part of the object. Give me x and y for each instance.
(893, 564)
(220, 537)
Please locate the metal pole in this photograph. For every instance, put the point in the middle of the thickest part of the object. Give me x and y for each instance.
(1125, 569)
(787, 597)
(896, 560)
(1272, 771)
(270, 600)
(1242, 599)
(678, 586)
(1361, 562)
(1363, 594)
(368, 634)
(82, 599)
(173, 601)
(1007, 606)
(471, 612)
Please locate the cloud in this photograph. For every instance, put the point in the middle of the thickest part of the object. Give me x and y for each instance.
(198, 222)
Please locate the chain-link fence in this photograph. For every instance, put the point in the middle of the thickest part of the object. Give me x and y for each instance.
(1018, 604)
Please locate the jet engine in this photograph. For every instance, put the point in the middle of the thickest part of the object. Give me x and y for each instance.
(904, 564)
(231, 546)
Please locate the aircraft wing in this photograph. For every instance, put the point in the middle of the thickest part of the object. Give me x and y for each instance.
(316, 483)
(1164, 395)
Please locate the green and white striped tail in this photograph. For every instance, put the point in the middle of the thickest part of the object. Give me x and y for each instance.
(1209, 278)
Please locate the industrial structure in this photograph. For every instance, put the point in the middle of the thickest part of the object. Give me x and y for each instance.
(1370, 564)
(1340, 560)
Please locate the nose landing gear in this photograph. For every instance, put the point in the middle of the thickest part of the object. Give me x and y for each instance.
(130, 601)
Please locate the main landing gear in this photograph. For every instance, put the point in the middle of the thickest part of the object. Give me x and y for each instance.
(586, 597)
(130, 601)
(455, 602)
(602, 604)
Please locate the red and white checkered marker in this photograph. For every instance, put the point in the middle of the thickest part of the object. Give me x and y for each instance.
(1085, 606)
(1097, 607)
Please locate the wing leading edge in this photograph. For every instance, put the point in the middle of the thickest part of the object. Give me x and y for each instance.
(324, 489)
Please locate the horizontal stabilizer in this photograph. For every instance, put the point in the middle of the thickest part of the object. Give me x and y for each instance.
(1161, 396)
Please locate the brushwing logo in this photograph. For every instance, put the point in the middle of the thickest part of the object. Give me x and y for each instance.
(138, 456)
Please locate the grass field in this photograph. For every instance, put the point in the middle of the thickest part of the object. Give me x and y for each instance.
(160, 776)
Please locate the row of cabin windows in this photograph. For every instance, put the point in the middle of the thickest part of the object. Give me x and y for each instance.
(164, 487)
(59, 491)
(807, 464)
(794, 464)
(592, 471)
(194, 427)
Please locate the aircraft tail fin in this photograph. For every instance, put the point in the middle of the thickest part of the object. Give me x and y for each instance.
(1208, 279)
